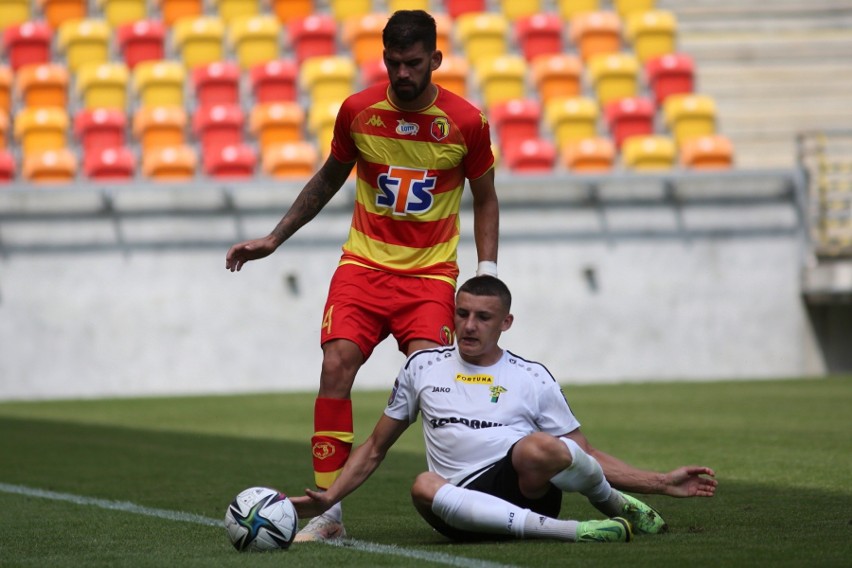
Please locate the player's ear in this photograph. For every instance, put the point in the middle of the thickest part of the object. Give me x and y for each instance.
(507, 322)
(437, 58)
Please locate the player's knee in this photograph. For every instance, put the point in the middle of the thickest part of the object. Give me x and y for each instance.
(424, 488)
(340, 364)
(540, 451)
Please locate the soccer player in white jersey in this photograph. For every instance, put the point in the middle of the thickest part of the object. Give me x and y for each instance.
(502, 443)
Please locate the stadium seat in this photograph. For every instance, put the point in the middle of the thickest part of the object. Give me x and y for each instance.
(652, 33)
(452, 74)
(7, 166)
(534, 155)
(100, 128)
(646, 153)
(50, 166)
(199, 40)
(539, 34)
(15, 12)
(27, 43)
(394, 5)
(231, 10)
(571, 119)
(670, 74)
(374, 72)
(632, 116)
(6, 80)
(216, 83)
(614, 76)
(444, 33)
(159, 83)
(321, 117)
(42, 85)
(57, 12)
(118, 12)
(170, 163)
(274, 81)
(39, 129)
(625, 8)
(84, 41)
(596, 33)
(291, 160)
(516, 9)
(327, 78)
(288, 10)
(111, 164)
(362, 35)
(4, 131)
(711, 152)
(589, 155)
(254, 39)
(557, 76)
(569, 8)
(482, 35)
(277, 123)
(159, 127)
(141, 41)
(173, 10)
(343, 10)
(103, 85)
(234, 161)
(313, 36)
(218, 126)
(515, 120)
(689, 116)
(501, 78)
(456, 8)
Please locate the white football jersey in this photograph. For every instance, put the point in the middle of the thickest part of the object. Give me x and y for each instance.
(472, 415)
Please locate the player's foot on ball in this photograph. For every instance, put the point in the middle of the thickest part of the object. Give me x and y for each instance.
(645, 519)
(320, 529)
(615, 529)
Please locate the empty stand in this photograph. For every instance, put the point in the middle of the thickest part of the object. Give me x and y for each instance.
(232, 10)
(27, 43)
(515, 120)
(394, 5)
(199, 40)
(57, 12)
(596, 33)
(625, 8)
(670, 74)
(652, 33)
(50, 166)
(535, 155)
(313, 36)
(288, 10)
(6, 80)
(159, 83)
(572, 119)
(38, 129)
(277, 123)
(690, 116)
(118, 12)
(710, 152)
(218, 126)
(173, 10)
(614, 76)
(648, 153)
(234, 161)
(84, 41)
(363, 37)
(254, 39)
(517, 9)
(321, 117)
(328, 78)
(589, 155)
(569, 8)
(456, 8)
(343, 10)
(141, 41)
(110, 164)
(170, 163)
(15, 12)
(633, 116)
(291, 160)
(100, 128)
(452, 74)
(7, 166)
(216, 83)
(482, 35)
(274, 81)
(103, 85)
(42, 85)
(159, 127)
(501, 78)
(539, 34)
(557, 76)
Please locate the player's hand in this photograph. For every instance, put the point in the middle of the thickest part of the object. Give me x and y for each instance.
(313, 504)
(243, 252)
(690, 481)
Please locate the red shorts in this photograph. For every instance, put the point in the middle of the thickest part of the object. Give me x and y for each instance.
(366, 305)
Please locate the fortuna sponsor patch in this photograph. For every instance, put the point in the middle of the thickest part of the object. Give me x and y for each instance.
(475, 379)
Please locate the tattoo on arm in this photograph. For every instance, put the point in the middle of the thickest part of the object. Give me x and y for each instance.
(310, 201)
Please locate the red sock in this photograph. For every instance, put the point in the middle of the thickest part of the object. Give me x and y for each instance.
(332, 439)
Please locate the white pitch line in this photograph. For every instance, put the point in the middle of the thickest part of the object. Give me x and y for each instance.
(128, 507)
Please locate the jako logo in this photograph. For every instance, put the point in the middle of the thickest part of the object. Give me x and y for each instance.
(405, 190)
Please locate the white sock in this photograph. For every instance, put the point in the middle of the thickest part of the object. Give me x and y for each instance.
(585, 476)
(539, 526)
(336, 512)
(475, 511)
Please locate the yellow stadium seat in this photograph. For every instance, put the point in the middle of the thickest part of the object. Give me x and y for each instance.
(50, 166)
(596, 33)
(229, 10)
(57, 12)
(689, 116)
(614, 76)
(159, 127)
(41, 129)
(199, 40)
(502, 78)
(277, 123)
(394, 5)
(328, 78)
(321, 117)
(363, 36)
(557, 76)
(290, 160)
(570, 8)
(589, 155)
(119, 12)
(648, 153)
(173, 10)
(6, 79)
(571, 119)
(44, 85)
(170, 163)
(286, 10)
(103, 85)
(452, 74)
(254, 39)
(14, 12)
(84, 41)
(517, 9)
(482, 35)
(159, 83)
(652, 33)
(4, 131)
(711, 152)
(342, 10)
(626, 8)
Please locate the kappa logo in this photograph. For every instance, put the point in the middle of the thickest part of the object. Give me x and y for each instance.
(376, 121)
(440, 128)
(407, 128)
(406, 190)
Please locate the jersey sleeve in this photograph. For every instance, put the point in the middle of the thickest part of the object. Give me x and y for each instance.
(479, 158)
(342, 144)
(402, 404)
(555, 416)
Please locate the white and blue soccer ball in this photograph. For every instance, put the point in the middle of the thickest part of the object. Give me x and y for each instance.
(261, 519)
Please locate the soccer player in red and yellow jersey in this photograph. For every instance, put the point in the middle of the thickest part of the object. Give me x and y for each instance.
(414, 144)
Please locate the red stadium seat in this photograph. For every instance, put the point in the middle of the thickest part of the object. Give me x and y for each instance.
(218, 126)
(627, 117)
(314, 35)
(27, 43)
(217, 83)
(7, 166)
(456, 8)
(234, 161)
(141, 41)
(514, 121)
(110, 164)
(534, 155)
(539, 34)
(274, 81)
(670, 74)
(100, 128)
(374, 72)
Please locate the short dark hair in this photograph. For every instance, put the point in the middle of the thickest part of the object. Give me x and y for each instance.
(488, 286)
(407, 27)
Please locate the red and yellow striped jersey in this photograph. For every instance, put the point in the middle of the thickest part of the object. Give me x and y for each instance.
(411, 171)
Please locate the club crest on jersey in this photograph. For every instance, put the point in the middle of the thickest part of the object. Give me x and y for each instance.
(446, 335)
(496, 391)
(407, 128)
(405, 190)
(440, 128)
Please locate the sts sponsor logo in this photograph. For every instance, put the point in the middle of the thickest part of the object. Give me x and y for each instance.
(406, 190)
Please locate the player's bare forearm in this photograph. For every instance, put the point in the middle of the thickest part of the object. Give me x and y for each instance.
(486, 217)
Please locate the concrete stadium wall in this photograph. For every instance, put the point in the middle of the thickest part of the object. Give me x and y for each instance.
(601, 295)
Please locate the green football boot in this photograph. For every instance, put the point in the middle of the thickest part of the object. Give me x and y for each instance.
(645, 519)
(610, 530)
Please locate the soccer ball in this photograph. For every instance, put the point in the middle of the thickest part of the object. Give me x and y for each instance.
(261, 519)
